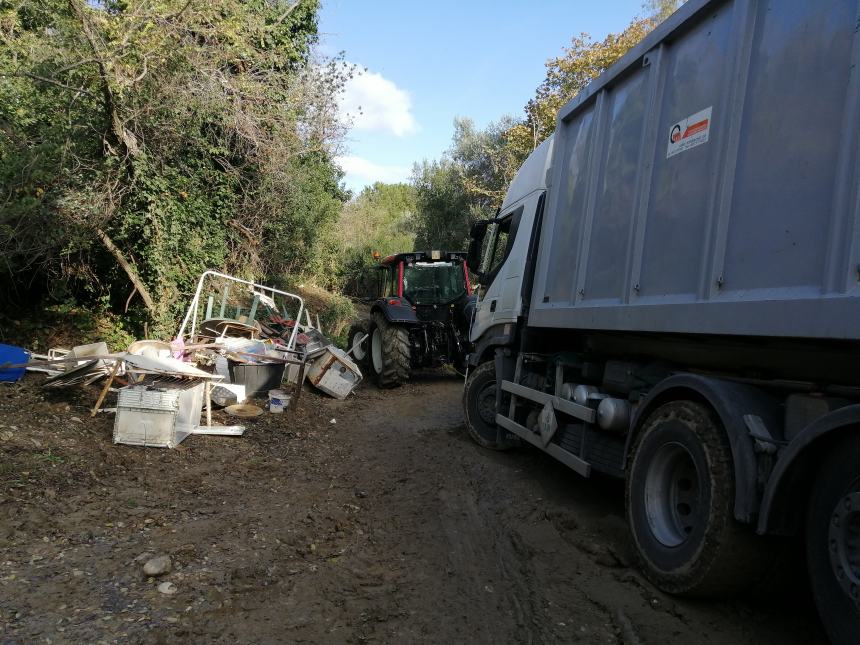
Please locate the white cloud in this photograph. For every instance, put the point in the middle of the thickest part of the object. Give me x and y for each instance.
(362, 171)
(375, 104)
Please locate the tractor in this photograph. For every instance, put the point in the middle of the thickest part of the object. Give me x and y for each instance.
(420, 316)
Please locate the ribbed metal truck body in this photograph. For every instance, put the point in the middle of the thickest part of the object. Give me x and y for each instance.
(708, 182)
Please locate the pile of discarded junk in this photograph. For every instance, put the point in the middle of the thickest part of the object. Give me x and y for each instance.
(239, 341)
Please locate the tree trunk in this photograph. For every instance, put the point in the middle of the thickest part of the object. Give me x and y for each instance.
(129, 271)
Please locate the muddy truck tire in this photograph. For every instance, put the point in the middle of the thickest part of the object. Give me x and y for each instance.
(360, 350)
(389, 352)
(479, 408)
(680, 506)
(833, 541)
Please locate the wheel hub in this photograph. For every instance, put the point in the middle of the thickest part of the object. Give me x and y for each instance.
(358, 349)
(673, 502)
(487, 404)
(844, 544)
(376, 350)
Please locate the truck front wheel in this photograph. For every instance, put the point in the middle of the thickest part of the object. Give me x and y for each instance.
(389, 352)
(479, 408)
(680, 498)
(833, 541)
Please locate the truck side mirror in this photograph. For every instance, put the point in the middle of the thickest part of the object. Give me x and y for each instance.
(476, 236)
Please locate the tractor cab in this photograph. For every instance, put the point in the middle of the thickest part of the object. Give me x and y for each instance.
(424, 278)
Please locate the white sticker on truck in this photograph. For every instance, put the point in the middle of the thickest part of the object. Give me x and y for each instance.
(689, 133)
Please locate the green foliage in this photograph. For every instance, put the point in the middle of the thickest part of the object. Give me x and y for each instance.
(335, 318)
(466, 185)
(65, 324)
(142, 141)
(297, 238)
(444, 210)
(571, 73)
(486, 161)
(659, 10)
(335, 311)
(382, 219)
(48, 457)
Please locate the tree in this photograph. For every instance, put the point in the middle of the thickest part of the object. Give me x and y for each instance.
(486, 160)
(466, 185)
(659, 10)
(568, 75)
(380, 219)
(444, 211)
(470, 180)
(142, 141)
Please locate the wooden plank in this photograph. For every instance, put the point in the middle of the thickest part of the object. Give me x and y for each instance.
(207, 386)
(105, 389)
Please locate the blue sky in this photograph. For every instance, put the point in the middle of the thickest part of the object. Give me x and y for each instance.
(428, 62)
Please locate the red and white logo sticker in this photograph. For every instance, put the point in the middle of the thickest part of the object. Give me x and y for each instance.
(689, 133)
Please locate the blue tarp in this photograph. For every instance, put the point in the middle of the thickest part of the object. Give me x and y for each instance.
(11, 355)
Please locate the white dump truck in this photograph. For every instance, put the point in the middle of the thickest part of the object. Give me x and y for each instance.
(671, 295)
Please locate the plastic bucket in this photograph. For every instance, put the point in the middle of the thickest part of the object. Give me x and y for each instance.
(278, 400)
(258, 378)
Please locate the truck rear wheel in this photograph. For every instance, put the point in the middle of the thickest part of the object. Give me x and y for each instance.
(389, 352)
(360, 350)
(680, 499)
(479, 407)
(833, 541)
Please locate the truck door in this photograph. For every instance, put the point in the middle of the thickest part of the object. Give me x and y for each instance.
(499, 300)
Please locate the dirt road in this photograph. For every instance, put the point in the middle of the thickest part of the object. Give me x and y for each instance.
(387, 525)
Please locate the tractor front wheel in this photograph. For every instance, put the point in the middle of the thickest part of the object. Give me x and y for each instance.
(359, 343)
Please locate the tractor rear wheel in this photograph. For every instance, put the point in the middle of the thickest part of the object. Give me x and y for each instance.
(389, 352)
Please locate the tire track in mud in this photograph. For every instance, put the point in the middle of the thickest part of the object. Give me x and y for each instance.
(526, 545)
(555, 548)
(488, 560)
(484, 583)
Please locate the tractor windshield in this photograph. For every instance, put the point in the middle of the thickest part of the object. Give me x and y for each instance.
(433, 283)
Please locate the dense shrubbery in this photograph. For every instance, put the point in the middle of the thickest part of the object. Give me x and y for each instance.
(142, 142)
(381, 219)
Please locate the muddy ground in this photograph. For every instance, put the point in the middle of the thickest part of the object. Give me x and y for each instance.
(369, 520)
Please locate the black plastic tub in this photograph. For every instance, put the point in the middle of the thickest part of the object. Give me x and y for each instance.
(258, 378)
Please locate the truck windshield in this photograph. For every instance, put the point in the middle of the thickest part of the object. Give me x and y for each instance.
(436, 283)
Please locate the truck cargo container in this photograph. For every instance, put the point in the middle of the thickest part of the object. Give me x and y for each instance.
(671, 294)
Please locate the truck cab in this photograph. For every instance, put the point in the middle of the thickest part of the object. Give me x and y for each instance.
(500, 250)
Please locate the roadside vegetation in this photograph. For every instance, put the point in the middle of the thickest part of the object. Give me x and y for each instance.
(143, 141)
